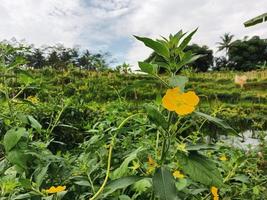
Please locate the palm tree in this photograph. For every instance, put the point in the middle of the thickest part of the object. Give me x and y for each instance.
(226, 43)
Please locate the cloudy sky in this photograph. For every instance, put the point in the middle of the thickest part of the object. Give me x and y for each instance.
(108, 25)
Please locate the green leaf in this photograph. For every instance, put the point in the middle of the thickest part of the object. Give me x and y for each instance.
(123, 169)
(158, 47)
(216, 120)
(179, 81)
(181, 184)
(40, 174)
(120, 184)
(142, 185)
(124, 197)
(12, 137)
(201, 169)
(25, 183)
(34, 123)
(148, 68)
(241, 177)
(83, 183)
(187, 39)
(18, 158)
(164, 184)
(156, 117)
(188, 58)
(23, 196)
(25, 77)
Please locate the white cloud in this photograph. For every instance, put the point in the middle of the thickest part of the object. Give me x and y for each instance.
(99, 24)
(214, 18)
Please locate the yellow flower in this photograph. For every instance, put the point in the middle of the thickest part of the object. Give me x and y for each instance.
(223, 158)
(214, 192)
(178, 174)
(182, 147)
(181, 103)
(54, 189)
(135, 166)
(33, 99)
(151, 165)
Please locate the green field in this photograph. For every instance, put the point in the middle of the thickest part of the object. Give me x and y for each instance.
(61, 124)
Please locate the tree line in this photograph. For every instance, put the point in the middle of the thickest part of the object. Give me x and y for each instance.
(241, 55)
(57, 56)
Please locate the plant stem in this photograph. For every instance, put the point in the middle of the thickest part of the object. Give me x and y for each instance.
(110, 155)
(108, 171)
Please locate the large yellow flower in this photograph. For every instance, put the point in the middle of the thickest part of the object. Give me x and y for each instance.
(54, 189)
(181, 103)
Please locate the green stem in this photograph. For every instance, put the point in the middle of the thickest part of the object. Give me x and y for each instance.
(107, 173)
(21, 90)
(110, 155)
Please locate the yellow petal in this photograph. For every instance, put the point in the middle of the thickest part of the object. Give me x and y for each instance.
(184, 109)
(190, 98)
(214, 191)
(168, 103)
(178, 174)
(173, 92)
(223, 158)
(54, 189)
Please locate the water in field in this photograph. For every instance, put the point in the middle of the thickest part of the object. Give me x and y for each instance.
(249, 140)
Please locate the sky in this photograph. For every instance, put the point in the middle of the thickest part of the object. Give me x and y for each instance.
(109, 25)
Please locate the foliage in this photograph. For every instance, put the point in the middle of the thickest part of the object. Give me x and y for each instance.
(79, 134)
(58, 56)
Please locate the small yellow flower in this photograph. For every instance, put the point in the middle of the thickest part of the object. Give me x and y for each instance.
(54, 189)
(135, 166)
(178, 174)
(214, 192)
(151, 165)
(182, 147)
(223, 158)
(33, 99)
(181, 103)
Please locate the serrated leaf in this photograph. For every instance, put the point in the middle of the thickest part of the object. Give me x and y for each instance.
(164, 184)
(201, 169)
(158, 47)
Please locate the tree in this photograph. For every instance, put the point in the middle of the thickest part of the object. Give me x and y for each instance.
(203, 63)
(245, 55)
(36, 59)
(225, 43)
